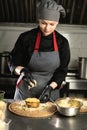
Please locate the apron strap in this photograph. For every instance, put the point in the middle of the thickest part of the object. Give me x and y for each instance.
(37, 44)
(55, 42)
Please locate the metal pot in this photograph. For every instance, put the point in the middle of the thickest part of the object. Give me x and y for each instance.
(68, 106)
(83, 67)
(4, 69)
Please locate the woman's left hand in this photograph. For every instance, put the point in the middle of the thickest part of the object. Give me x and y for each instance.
(45, 96)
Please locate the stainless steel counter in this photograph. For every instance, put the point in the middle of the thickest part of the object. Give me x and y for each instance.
(75, 79)
(55, 122)
(77, 84)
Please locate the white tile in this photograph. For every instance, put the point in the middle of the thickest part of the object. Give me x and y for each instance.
(74, 58)
(83, 52)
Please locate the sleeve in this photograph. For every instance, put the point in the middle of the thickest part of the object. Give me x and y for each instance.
(61, 72)
(17, 54)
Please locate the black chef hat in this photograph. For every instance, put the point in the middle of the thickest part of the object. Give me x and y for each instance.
(49, 10)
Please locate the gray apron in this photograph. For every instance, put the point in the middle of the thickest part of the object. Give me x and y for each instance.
(42, 66)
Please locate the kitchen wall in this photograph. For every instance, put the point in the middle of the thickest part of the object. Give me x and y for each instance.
(24, 11)
(76, 35)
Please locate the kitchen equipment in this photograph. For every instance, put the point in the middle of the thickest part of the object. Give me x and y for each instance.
(3, 107)
(2, 93)
(68, 106)
(83, 67)
(54, 103)
(4, 124)
(4, 69)
(44, 109)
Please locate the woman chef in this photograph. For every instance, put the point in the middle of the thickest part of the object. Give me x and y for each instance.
(41, 56)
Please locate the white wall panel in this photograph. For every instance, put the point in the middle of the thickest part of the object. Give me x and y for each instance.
(76, 36)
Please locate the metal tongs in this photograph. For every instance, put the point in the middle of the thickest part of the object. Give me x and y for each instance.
(42, 94)
(19, 80)
(54, 103)
(23, 77)
(44, 97)
(50, 99)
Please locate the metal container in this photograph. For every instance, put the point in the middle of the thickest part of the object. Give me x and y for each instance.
(2, 93)
(83, 67)
(65, 108)
(4, 69)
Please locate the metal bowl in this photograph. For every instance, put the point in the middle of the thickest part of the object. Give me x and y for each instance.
(68, 106)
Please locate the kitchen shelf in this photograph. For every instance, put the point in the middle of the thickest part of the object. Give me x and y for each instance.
(76, 85)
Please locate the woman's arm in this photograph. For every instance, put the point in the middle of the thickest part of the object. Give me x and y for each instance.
(61, 72)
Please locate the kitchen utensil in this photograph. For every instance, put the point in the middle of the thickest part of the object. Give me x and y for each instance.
(54, 103)
(2, 94)
(4, 68)
(83, 67)
(44, 109)
(45, 95)
(19, 80)
(4, 124)
(68, 106)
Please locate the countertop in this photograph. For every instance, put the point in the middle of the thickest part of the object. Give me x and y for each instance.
(76, 83)
(75, 79)
(55, 122)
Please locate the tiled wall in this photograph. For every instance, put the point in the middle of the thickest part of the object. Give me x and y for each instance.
(76, 36)
(78, 44)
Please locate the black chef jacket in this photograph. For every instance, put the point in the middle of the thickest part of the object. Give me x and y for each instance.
(24, 47)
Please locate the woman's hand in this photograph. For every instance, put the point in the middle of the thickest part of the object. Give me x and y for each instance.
(26, 76)
(53, 85)
(45, 96)
(18, 70)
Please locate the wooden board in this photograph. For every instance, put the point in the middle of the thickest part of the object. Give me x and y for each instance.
(44, 110)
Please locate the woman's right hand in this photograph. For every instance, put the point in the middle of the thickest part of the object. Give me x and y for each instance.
(28, 78)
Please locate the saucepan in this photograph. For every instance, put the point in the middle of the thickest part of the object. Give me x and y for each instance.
(68, 106)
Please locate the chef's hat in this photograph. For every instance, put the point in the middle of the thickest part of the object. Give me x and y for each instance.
(49, 10)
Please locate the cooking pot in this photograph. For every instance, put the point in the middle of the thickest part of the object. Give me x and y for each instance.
(83, 67)
(4, 69)
(68, 106)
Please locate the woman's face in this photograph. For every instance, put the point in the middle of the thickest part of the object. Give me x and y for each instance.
(47, 27)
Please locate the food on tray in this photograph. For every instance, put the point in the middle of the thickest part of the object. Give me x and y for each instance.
(84, 104)
(2, 105)
(2, 115)
(44, 109)
(69, 103)
(2, 109)
(2, 125)
(65, 102)
(32, 102)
